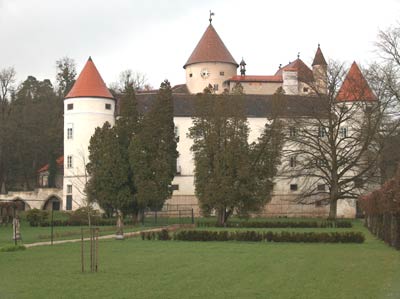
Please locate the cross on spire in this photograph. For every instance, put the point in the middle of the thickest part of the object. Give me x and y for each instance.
(211, 15)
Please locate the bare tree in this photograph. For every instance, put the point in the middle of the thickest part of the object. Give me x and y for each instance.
(81, 178)
(130, 78)
(334, 151)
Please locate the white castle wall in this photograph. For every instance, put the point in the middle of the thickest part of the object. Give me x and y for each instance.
(87, 114)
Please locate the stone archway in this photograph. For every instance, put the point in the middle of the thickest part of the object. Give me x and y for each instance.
(21, 205)
(52, 203)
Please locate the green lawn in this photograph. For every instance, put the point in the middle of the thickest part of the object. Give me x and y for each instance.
(41, 234)
(170, 269)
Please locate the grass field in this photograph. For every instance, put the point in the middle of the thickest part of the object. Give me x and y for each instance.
(41, 234)
(170, 269)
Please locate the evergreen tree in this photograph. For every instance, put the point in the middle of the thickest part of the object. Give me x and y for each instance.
(153, 152)
(221, 154)
(108, 184)
(232, 176)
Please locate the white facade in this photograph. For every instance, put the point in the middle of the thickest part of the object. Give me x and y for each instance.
(201, 75)
(83, 117)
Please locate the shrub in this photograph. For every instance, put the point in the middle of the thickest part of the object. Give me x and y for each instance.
(163, 235)
(11, 248)
(282, 224)
(36, 217)
(254, 236)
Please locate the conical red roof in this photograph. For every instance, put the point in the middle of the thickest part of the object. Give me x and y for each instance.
(89, 84)
(319, 58)
(210, 49)
(355, 87)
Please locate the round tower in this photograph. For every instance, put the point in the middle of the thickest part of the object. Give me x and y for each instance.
(87, 106)
(320, 68)
(210, 64)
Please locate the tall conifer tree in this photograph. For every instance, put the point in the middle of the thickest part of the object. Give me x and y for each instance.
(153, 152)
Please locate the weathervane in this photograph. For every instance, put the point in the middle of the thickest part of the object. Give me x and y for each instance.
(211, 14)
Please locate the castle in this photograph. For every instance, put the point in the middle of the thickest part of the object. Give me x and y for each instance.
(90, 104)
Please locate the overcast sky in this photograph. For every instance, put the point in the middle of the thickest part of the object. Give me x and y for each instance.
(156, 37)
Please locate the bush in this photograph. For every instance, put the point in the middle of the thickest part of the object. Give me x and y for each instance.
(283, 224)
(36, 217)
(253, 236)
(11, 248)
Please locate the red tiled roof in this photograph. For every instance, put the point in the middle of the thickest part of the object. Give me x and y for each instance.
(319, 58)
(210, 49)
(303, 71)
(59, 161)
(239, 78)
(355, 87)
(89, 84)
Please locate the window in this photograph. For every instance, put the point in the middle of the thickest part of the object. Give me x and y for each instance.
(292, 132)
(321, 187)
(293, 187)
(222, 73)
(108, 106)
(305, 89)
(343, 132)
(190, 75)
(69, 131)
(70, 106)
(215, 86)
(318, 203)
(174, 187)
(321, 132)
(292, 161)
(69, 202)
(69, 189)
(69, 161)
(320, 162)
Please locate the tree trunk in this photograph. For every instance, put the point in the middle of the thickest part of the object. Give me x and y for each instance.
(332, 210)
(221, 216)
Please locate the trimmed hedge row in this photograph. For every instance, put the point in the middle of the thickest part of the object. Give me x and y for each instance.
(71, 222)
(162, 235)
(11, 248)
(282, 224)
(254, 236)
(382, 211)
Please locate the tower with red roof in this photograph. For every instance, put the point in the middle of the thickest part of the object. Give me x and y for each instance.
(210, 64)
(88, 105)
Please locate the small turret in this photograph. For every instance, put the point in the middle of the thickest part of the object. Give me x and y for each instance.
(243, 67)
(320, 67)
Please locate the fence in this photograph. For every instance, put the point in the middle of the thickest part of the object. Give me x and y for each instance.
(168, 217)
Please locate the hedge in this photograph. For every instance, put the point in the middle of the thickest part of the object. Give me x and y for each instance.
(382, 211)
(282, 224)
(11, 248)
(254, 236)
